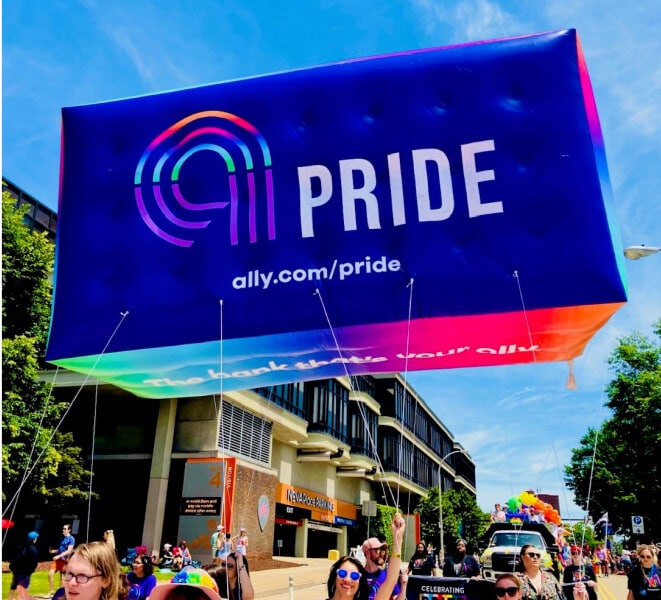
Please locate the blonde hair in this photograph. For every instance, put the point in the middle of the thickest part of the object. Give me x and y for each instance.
(512, 577)
(103, 558)
(109, 538)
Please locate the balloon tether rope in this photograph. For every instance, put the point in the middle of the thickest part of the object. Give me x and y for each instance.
(525, 315)
(66, 412)
(385, 489)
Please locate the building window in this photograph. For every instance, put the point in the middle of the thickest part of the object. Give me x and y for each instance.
(244, 434)
(290, 396)
(363, 430)
(327, 408)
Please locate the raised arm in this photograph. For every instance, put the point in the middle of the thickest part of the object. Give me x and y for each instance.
(247, 591)
(395, 562)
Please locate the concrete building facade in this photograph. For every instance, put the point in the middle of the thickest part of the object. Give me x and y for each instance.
(303, 457)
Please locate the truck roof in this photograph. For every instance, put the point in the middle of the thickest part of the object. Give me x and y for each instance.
(538, 527)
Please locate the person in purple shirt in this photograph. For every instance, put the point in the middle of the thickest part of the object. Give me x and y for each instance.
(141, 579)
(376, 553)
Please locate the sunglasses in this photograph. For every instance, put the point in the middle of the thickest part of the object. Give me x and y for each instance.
(575, 553)
(510, 591)
(343, 573)
(645, 556)
(379, 550)
(533, 555)
(226, 565)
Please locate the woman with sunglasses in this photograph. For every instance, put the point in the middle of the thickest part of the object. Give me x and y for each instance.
(507, 586)
(92, 573)
(576, 571)
(237, 572)
(347, 579)
(644, 580)
(537, 584)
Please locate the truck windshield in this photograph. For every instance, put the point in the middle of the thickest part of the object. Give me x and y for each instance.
(516, 539)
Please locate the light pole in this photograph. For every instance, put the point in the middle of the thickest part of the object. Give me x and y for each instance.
(636, 252)
(440, 502)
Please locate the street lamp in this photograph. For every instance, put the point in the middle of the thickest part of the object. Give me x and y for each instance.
(636, 252)
(440, 502)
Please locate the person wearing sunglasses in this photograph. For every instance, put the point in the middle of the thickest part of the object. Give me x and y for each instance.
(537, 584)
(92, 573)
(507, 586)
(576, 570)
(644, 580)
(347, 580)
(237, 574)
(376, 574)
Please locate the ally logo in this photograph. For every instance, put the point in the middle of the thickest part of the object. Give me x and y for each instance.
(171, 212)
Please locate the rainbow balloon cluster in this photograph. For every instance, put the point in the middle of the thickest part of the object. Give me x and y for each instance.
(528, 508)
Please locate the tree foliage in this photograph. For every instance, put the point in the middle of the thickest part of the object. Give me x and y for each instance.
(462, 517)
(29, 415)
(27, 261)
(579, 534)
(625, 476)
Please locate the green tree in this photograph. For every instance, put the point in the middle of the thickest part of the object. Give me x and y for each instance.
(462, 517)
(27, 261)
(429, 517)
(578, 534)
(29, 415)
(624, 478)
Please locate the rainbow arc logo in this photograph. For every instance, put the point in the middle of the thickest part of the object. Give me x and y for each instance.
(159, 193)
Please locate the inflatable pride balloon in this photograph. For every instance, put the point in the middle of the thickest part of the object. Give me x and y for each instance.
(430, 209)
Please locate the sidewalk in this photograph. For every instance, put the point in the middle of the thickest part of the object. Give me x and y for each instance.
(310, 577)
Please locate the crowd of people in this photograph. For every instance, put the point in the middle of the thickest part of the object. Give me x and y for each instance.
(92, 571)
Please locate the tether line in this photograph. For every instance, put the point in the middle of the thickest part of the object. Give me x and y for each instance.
(66, 412)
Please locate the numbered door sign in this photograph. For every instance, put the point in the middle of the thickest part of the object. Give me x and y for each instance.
(637, 525)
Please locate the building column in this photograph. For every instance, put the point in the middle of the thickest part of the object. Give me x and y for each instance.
(302, 539)
(152, 530)
(343, 541)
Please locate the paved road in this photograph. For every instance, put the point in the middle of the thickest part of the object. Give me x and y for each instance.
(613, 587)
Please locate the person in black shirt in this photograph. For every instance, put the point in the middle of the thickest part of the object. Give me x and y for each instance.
(422, 562)
(644, 580)
(22, 567)
(460, 564)
(578, 571)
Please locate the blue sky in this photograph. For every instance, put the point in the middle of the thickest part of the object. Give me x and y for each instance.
(518, 423)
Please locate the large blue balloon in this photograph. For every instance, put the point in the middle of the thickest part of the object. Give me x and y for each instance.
(431, 209)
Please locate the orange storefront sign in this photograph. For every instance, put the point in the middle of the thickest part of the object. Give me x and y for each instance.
(321, 507)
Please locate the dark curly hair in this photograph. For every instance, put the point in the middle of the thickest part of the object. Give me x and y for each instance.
(363, 587)
(147, 564)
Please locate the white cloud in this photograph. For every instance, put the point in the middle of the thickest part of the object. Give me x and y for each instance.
(469, 20)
